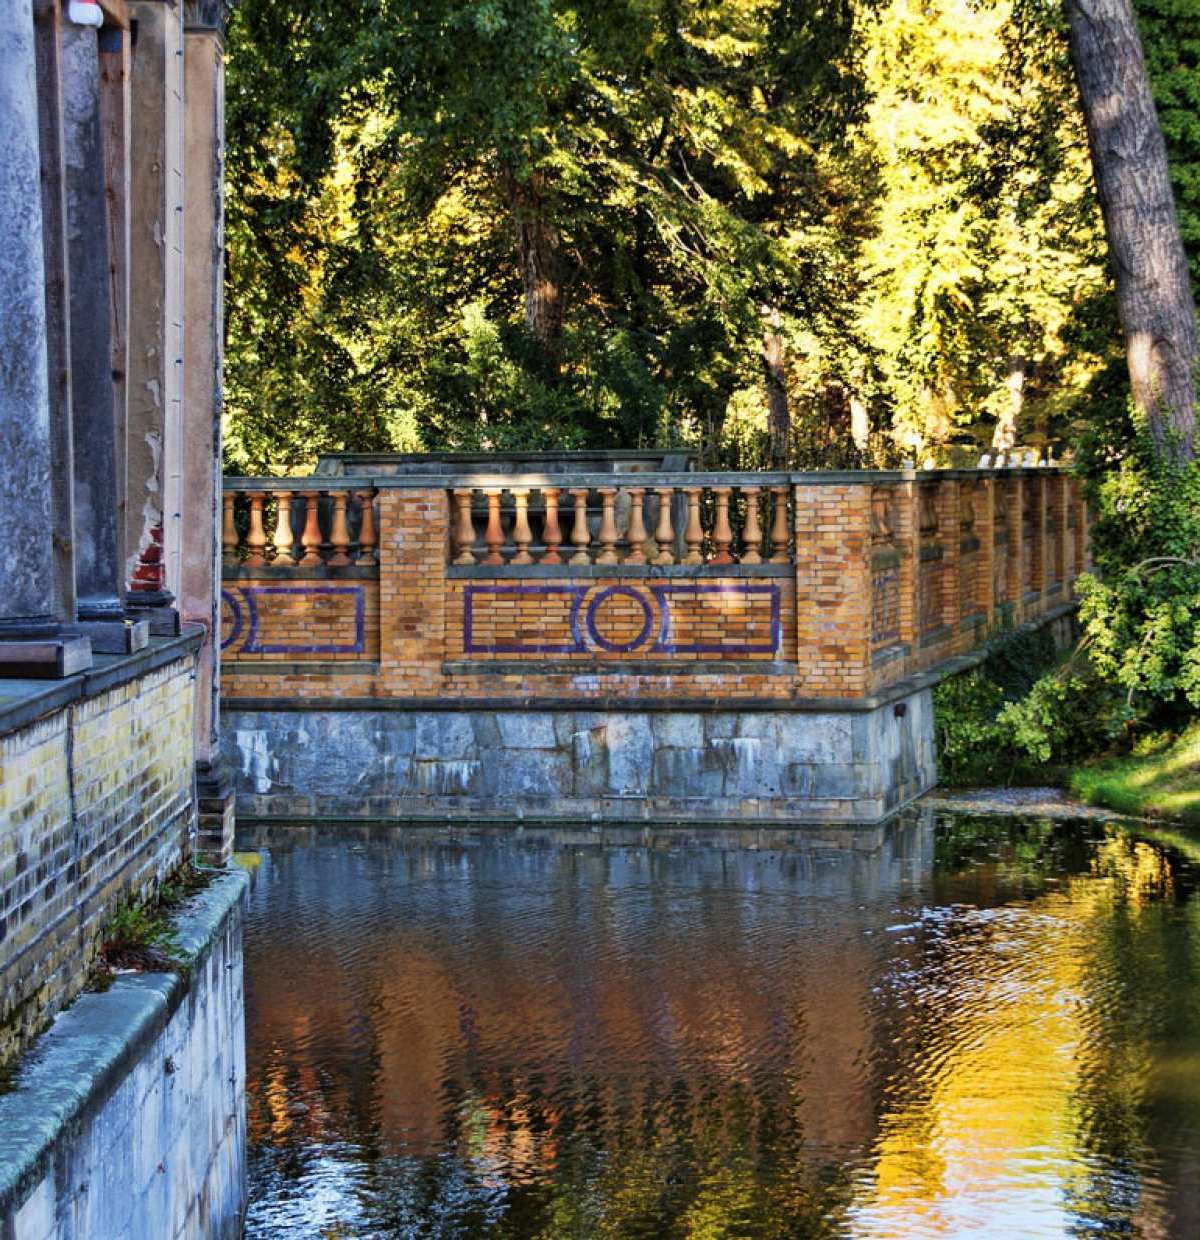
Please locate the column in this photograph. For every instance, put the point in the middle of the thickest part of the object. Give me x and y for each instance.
(30, 636)
(96, 272)
(48, 19)
(200, 455)
(153, 515)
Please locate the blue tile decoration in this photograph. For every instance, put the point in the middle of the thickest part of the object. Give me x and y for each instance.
(237, 618)
(254, 600)
(585, 629)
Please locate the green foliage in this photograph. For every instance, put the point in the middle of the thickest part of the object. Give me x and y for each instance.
(1138, 667)
(137, 930)
(976, 734)
(845, 172)
(1170, 31)
(1141, 609)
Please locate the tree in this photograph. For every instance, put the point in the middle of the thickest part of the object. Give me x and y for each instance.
(1129, 158)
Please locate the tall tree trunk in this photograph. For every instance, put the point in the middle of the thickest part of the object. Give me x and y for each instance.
(779, 417)
(1004, 438)
(539, 250)
(1129, 159)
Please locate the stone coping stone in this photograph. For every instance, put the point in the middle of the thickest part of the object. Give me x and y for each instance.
(297, 667)
(621, 667)
(480, 478)
(583, 832)
(70, 1071)
(293, 572)
(22, 702)
(642, 572)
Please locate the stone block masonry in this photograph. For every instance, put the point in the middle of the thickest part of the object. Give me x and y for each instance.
(571, 764)
(129, 1123)
(96, 806)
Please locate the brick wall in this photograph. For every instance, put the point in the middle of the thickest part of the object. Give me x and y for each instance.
(888, 577)
(96, 800)
(278, 619)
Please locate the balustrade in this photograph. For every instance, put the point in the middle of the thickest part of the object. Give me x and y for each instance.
(621, 523)
(331, 527)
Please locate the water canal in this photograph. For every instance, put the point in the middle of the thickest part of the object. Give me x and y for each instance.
(961, 1026)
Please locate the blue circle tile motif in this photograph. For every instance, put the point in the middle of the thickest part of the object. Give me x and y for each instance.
(602, 597)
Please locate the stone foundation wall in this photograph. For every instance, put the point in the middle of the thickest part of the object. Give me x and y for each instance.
(572, 763)
(129, 1123)
(96, 805)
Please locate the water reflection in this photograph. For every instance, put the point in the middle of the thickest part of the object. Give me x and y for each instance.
(977, 1026)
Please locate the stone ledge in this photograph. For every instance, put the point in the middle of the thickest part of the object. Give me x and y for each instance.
(267, 667)
(617, 667)
(23, 702)
(644, 572)
(293, 572)
(71, 1069)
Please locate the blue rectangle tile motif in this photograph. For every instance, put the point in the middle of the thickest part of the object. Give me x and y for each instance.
(649, 619)
(245, 610)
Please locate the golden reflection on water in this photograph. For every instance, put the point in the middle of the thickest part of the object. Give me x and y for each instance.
(983, 1029)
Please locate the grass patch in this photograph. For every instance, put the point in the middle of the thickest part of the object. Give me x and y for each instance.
(1160, 780)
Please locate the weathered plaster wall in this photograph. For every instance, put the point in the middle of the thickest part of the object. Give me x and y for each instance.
(575, 763)
(154, 505)
(96, 802)
(129, 1123)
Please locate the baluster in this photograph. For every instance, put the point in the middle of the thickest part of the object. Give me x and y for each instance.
(464, 530)
(494, 534)
(722, 533)
(752, 535)
(283, 538)
(636, 534)
(522, 535)
(311, 537)
(256, 539)
(780, 535)
(229, 534)
(693, 533)
(579, 533)
(608, 526)
(368, 540)
(551, 532)
(339, 532)
(664, 533)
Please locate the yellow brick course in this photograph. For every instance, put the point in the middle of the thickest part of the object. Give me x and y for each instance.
(95, 806)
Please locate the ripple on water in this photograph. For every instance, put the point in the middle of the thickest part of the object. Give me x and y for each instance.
(983, 1027)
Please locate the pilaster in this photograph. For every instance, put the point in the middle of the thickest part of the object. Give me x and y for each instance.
(31, 641)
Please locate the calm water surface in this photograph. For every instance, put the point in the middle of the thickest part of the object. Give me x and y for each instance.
(960, 1027)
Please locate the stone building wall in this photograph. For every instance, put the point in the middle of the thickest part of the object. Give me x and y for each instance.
(97, 801)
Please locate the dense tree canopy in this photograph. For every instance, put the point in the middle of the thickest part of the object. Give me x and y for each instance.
(549, 223)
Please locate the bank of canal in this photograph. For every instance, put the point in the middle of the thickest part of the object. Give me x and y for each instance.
(952, 1025)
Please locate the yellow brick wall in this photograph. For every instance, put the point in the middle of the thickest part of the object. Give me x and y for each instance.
(125, 759)
(277, 620)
